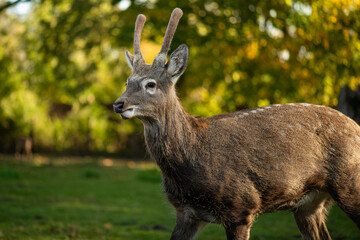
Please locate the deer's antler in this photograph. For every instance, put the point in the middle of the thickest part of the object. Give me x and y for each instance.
(160, 59)
(138, 58)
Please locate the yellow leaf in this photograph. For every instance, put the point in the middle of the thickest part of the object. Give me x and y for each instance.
(288, 2)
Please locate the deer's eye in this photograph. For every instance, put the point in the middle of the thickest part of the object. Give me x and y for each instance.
(150, 85)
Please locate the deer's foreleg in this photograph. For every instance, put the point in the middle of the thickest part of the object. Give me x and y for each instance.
(238, 232)
(186, 227)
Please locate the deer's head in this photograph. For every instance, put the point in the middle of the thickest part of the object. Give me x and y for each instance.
(150, 87)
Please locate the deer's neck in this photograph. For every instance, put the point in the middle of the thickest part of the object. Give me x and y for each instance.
(172, 139)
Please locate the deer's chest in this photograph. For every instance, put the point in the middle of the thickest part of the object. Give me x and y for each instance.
(192, 201)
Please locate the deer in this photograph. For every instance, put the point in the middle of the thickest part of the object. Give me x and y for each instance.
(230, 168)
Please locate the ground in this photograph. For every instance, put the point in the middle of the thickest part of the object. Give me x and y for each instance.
(101, 198)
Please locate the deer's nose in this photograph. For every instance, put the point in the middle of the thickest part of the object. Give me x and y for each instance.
(118, 106)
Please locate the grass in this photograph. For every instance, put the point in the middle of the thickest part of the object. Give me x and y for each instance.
(61, 198)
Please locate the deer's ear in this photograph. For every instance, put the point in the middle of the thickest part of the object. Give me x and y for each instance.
(129, 59)
(177, 62)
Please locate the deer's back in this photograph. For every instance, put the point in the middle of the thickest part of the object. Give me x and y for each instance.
(284, 133)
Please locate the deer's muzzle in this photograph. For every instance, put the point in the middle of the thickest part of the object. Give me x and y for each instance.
(118, 107)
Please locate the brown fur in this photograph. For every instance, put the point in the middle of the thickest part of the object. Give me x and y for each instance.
(227, 169)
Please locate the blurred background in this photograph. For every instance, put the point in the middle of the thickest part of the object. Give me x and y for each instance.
(62, 64)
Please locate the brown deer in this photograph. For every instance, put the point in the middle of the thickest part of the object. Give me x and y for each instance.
(229, 168)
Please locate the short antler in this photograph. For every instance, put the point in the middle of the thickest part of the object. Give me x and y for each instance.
(160, 59)
(138, 58)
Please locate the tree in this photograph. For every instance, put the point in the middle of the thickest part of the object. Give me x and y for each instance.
(7, 4)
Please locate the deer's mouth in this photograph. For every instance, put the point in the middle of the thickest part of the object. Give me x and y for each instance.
(128, 113)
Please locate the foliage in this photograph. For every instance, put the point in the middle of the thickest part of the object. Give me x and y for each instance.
(69, 54)
(77, 198)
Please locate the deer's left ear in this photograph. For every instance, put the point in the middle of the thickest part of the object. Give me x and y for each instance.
(129, 59)
(177, 62)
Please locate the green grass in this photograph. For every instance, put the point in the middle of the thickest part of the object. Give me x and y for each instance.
(83, 199)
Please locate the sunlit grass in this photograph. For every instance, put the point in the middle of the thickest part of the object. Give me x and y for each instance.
(86, 198)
